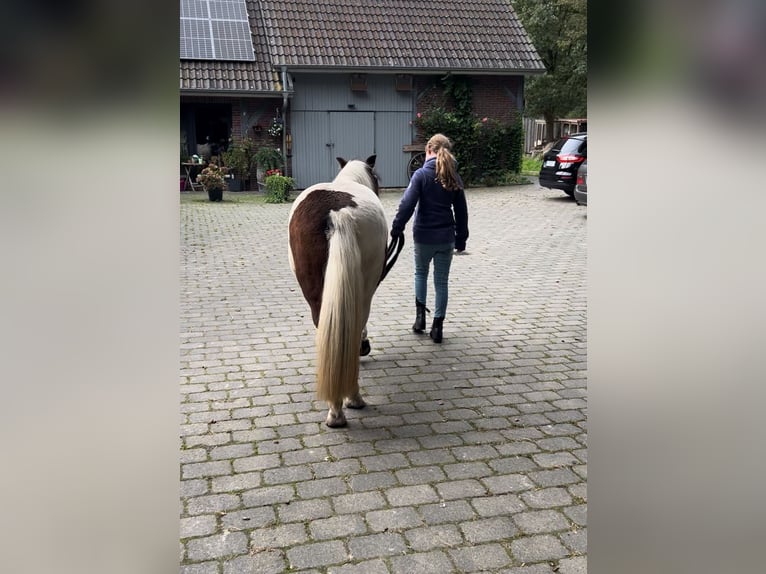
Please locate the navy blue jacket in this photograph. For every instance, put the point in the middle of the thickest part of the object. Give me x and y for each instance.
(434, 218)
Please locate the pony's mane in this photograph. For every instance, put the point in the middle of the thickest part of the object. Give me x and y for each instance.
(359, 171)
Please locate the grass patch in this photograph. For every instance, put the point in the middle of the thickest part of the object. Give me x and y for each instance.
(229, 197)
(531, 166)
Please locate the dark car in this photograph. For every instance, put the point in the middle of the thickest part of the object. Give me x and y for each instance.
(581, 189)
(561, 162)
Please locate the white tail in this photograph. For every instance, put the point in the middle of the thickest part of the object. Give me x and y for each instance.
(341, 318)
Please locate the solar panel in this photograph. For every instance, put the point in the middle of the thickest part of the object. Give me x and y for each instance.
(215, 30)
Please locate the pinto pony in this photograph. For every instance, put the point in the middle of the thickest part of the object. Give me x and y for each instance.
(337, 234)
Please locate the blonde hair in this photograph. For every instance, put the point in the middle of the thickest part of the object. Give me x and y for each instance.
(446, 164)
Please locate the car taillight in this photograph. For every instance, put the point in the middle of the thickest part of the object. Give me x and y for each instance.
(580, 180)
(570, 157)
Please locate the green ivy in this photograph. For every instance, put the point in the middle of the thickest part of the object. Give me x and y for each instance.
(485, 149)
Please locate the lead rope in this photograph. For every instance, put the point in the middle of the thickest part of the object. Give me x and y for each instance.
(393, 250)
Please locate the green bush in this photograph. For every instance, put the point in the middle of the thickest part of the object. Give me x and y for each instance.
(268, 158)
(485, 149)
(278, 188)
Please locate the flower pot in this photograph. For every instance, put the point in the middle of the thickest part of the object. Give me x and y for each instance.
(215, 194)
(235, 184)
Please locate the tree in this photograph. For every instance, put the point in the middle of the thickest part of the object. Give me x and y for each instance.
(558, 29)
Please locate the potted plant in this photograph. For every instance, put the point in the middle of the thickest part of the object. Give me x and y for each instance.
(267, 158)
(278, 187)
(237, 160)
(213, 179)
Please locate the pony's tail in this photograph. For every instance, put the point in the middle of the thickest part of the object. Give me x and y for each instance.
(339, 331)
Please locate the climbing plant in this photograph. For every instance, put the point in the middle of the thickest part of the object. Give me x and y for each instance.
(485, 148)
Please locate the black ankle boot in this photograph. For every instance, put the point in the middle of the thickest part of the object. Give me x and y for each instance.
(436, 330)
(420, 317)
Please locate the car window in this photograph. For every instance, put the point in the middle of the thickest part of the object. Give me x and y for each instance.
(573, 145)
(559, 144)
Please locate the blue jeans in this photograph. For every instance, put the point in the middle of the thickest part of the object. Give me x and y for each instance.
(441, 254)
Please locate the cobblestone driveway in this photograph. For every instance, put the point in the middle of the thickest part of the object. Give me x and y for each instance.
(471, 456)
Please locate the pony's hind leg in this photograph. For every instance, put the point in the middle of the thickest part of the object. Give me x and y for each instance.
(335, 417)
(364, 348)
(355, 402)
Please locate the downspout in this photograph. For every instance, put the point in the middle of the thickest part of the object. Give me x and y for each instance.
(284, 118)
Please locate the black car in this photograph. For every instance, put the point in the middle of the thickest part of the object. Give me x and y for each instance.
(561, 162)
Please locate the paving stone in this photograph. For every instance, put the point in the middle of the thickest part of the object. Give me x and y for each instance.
(198, 526)
(318, 554)
(575, 565)
(460, 489)
(425, 563)
(260, 562)
(540, 521)
(358, 502)
(377, 545)
(205, 469)
(278, 536)
(411, 495)
(394, 519)
(236, 482)
(384, 462)
(576, 540)
(488, 530)
(485, 557)
(557, 477)
(376, 566)
(534, 569)
(502, 505)
(249, 518)
(372, 481)
(268, 495)
(577, 514)
(302, 510)
(547, 498)
(538, 548)
(211, 503)
(204, 568)
(513, 465)
(337, 527)
(467, 470)
(194, 487)
(449, 511)
(431, 456)
(441, 536)
(217, 546)
(287, 474)
(321, 487)
(507, 483)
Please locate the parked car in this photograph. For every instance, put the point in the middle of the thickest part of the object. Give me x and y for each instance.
(561, 162)
(581, 189)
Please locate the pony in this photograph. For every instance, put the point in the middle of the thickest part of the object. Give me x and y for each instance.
(337, 246)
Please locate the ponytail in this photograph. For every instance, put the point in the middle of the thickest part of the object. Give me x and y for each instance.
(446, 164)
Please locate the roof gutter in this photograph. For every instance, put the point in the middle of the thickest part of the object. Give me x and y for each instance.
(423, 71)
(229, 93)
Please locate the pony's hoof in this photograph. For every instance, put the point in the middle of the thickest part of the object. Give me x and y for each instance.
(355, 403)
(335, 420)
(365, 348)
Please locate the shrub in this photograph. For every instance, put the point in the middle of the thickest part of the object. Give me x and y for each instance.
(267, 158)
(212, 177)
(278, 188)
